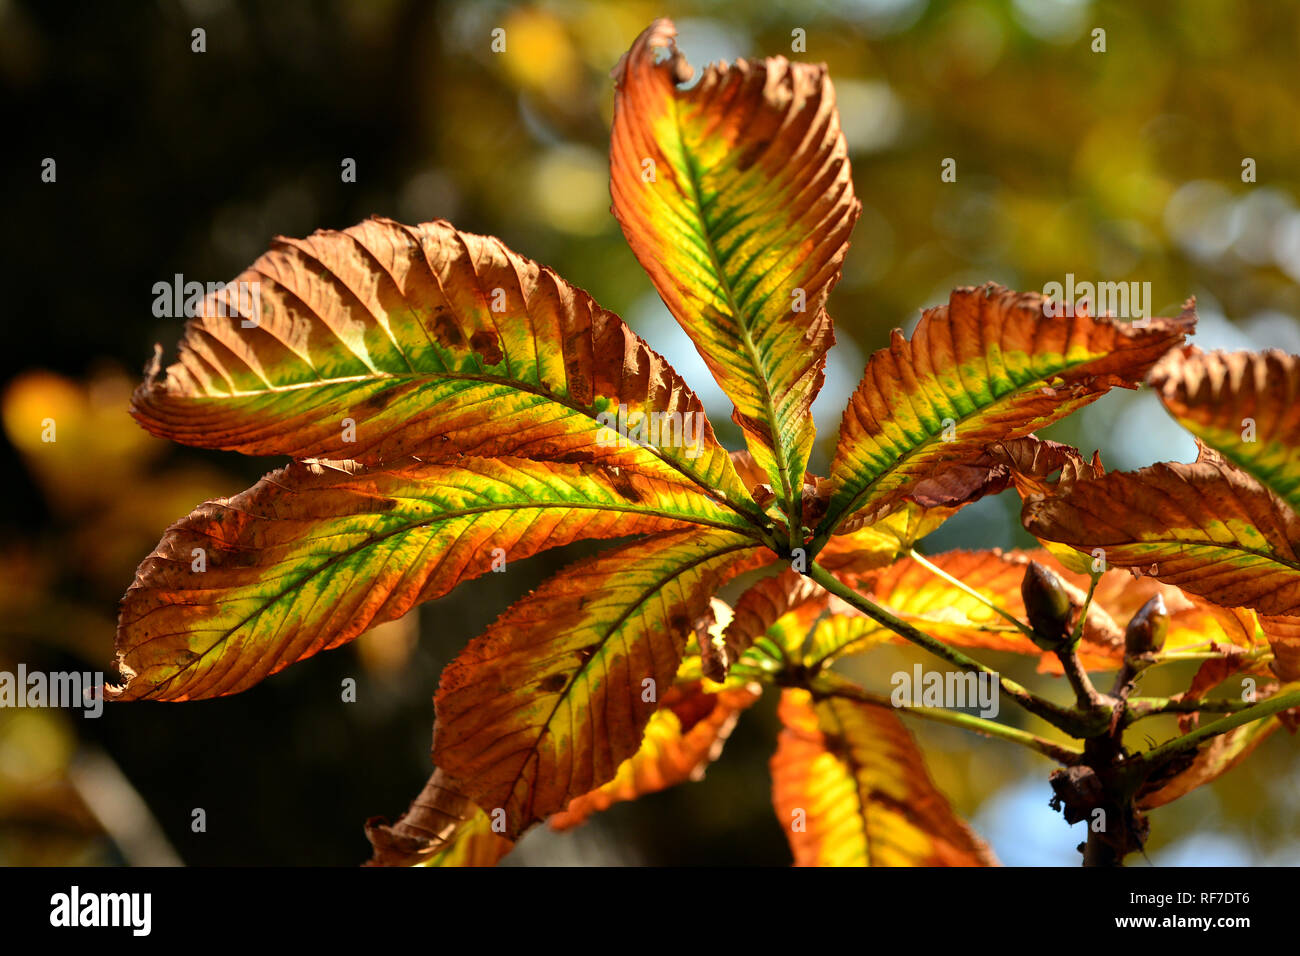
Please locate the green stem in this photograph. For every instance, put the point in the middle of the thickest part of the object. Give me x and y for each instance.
(1263, 654)
(967, 589)
(1083, 615)
(768, 538)
(1140, 707)
(1265, 708)
(842, 650)
(1063, 718)
(794, 524)
(832, 685)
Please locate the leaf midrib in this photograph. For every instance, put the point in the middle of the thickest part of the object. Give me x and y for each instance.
(1204, 545)
(831, 522)
(373, 541)
(742, 508)
(742, 321)
(617, 624)
(852, 766)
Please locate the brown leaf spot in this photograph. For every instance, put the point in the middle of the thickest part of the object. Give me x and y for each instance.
(445, 329)
(553, 684)
(379, 400)
(622, 482)
(487, 345)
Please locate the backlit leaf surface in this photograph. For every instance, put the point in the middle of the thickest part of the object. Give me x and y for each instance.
(988, 366)
(735, 196)
(851, 789)
(682, 738)
(383, 341)
(315, 554)
(548, 702)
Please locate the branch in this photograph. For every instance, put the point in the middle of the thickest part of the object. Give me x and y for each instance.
(1140, 707)
(1089, 699)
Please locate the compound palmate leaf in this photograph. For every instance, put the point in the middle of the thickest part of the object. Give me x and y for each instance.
(385, 341)
(851, 789)
(736, 197)
(988, 366)
(549, 701)
(1207, 527)
(315, 554)
(451, 406)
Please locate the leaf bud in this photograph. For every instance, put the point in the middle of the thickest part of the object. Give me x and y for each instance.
(1048, 606)
(1147, 629)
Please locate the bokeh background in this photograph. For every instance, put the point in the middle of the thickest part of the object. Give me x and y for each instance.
(1118, 166)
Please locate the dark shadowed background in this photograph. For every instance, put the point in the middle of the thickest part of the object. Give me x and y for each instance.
(1122, 165)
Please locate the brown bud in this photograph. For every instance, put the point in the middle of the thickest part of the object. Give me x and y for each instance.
(1147, 629)
(1048, 605)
